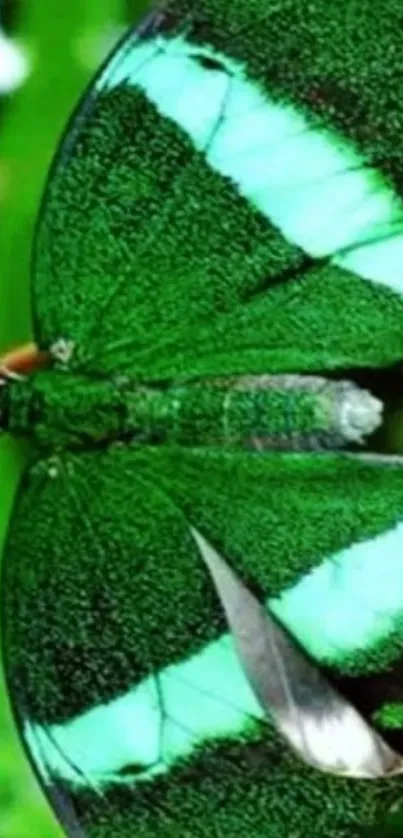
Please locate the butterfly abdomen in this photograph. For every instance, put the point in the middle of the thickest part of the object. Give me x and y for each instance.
(280, 412)
(61, 409)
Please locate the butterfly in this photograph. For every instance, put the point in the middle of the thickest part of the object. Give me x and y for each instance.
(203, 586)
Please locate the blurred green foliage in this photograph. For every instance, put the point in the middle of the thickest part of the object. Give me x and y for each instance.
(65, 44)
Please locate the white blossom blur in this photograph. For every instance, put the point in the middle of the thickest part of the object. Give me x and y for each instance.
(13, 64)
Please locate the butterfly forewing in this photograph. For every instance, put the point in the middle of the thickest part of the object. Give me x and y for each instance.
(185, 227)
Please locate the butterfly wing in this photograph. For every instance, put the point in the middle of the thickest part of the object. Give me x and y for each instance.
(127, 686)
(185, 228)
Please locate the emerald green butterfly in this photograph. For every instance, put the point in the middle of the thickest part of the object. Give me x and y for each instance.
(203, 592)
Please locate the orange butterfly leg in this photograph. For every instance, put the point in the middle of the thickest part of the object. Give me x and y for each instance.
(24, 360)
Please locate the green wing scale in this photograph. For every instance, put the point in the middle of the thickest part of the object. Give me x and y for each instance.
(176, 240)
(119, 645)
(217, 278)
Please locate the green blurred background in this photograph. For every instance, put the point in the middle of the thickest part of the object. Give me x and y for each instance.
(63, 43)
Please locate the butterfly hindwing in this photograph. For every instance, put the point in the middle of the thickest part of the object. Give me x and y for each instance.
(126, 682)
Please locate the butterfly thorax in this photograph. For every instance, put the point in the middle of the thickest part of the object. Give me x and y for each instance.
(57, 408)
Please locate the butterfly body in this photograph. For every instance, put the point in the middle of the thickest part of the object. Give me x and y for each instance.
(60, 409)
(220, 243)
